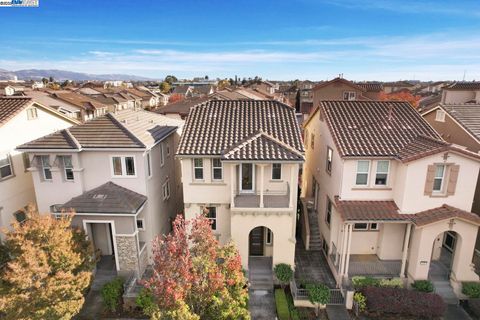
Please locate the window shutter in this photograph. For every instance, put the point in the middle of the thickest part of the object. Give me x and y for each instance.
(429, 181)
(452, 180)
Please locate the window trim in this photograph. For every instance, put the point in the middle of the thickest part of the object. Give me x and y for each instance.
(195, 167)
(10, 164)
(387, 173)
(123, 166)
(374, 229)
(216, 168)
(148, 157)
(65, 168)
(440, 115)
(367, 225)
(444, 175)
(281, 172)
(329, 160)
(142, 220)
(209, 218)
(328, 213)
(32, 113)
(162, 155)
(166, 187)
(49, 167)
(368, 173)
(351, 95)
(267, 233)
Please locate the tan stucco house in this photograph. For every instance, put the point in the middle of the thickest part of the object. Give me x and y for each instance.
(240, 162)
(119, 174)
(392, 199)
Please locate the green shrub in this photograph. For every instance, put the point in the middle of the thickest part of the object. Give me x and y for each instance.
(283, 272)
(390, 283)
(318, 293)
(361, 281)
(471, 289)
(145, 301)
(423, 285)
(361, 301)
(112, 294)
(282, 305)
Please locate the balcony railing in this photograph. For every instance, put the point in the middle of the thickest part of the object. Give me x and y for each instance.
(265, 199)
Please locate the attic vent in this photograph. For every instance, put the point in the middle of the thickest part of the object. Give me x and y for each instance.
(99, 196)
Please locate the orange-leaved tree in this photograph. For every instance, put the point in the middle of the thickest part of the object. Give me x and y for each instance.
(403, 95)
(175, 97)
(46, 268)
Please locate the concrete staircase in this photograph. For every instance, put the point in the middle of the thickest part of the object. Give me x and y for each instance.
(315, 238)
(445, 290)
(260, 274)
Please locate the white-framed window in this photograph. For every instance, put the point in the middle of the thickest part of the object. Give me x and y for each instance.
(439, 177)
(32, 113)
(198, 169)
(328, 212)
(440, 115)
(329, 160)
(374, 226)
(141, 224)
(211, 214)
(276, 171)
(381, 177)
(123, 166)
(217, 169)
(46, 168)
(166, 190)
(268, 237)
(162, 154)
(68, 168)
(360, 226)
(363, 167)
(149, 164)
(349, 95)
(6, 167)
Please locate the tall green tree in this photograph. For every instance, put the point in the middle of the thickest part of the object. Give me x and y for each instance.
(170, 79)
(48, 268)
(165, 87)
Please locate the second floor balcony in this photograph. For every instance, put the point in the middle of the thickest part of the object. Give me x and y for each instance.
(269, 199)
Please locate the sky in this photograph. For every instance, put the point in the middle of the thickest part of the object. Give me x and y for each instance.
(278, 40)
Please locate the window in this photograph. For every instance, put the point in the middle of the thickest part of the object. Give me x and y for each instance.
(349, 95)
(32, 113)
(268, 237)
(198, 169)
(6, 168)
(149, 164)
(166, 190)
(123, 166)
(26, 161)
(68, 168)
(20, 216)
(168, 150)
(217, 169)
(360, 226)
(363, 167)
(162, 155)
(312, 140)
(211, 214)
(277, 171)
(439, 177)
(328, 213)
(329, 160)
(47, 173)
(440, 116)
(381, 177)
(373, 226)
(141, 224)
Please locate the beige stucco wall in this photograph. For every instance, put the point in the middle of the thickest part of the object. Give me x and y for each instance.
(457, 96)
(333, 91)
(390, 241)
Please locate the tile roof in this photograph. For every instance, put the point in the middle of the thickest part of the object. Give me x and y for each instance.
(374, 128)
(181, 107)
(467, 115)
(341, 80)
(442, 213)
(182, 89)
(228, 95)
(109, 198)
(353, 210)
(79, 100)
(219, 126)
(371, 86)
(420, 147)
(10, 107)
(124, 129)
(463, 85)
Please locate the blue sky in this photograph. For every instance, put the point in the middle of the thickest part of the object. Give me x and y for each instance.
(306, 39)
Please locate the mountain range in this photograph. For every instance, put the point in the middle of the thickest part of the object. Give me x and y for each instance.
(62, 75)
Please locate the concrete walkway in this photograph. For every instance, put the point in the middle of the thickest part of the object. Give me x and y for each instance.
(337, 312)
(262, 305)
(455, 312)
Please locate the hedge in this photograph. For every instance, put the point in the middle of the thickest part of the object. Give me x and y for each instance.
(283, 272)
(361, 282)
(471, 289)
(283, 312)
(423, 285)
(403, 302)
(112, 294)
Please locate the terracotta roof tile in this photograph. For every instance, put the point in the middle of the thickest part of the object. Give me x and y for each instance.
(443, 213)
(352, 210)
(463, 85)
(10, 107)
(467, 115)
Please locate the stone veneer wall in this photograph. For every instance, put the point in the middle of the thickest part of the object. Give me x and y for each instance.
(127, 255)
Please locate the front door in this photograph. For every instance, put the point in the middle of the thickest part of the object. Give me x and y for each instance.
(247, 175)
(256, 241)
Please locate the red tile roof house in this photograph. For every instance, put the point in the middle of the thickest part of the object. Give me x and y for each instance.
(390, 197)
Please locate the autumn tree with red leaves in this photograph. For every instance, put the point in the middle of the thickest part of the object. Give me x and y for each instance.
(175, 98)
(194, 277)
(403, 95)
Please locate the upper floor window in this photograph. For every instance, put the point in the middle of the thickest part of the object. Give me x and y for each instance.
(198, 168)
(68, 168)
(162, 154)
(217, 169)
(329, 160)
(123, 166)
(166, 190)
(328, 212)
(141, 224)
(46, 168)
(349, 95)
(277, 171)
(6, 168)
(363, 167)
(149, 164)
(440, 116)
(439, 178)
(211, 214)
(381, 177)
(32, 113)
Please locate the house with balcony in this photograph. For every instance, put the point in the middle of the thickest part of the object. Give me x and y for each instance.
(119, 175)
(390, 197)
(240, 163)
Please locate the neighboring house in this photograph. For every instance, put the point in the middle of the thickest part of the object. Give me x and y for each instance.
(265, 87)
(391, 197)
(228, 95)
(183, 90)
(429, 102)
(68, 109)
(203, 91)
(180, 109)
(373, 90)
(149, 100)
(240, 162)
(461, 93)
(21, 120)
(119, 174)
(390, 87)
(337, 89)
(90, 108)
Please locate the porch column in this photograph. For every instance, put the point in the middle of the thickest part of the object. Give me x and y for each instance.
(344, 248)
(233, 181)
(347, 263)
(406, 242)
(262, 171)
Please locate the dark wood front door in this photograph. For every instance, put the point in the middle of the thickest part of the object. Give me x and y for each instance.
(256, 241)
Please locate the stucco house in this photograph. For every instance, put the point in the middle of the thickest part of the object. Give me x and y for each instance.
(342, 89)
(240, 162)
(461, 92)
(21, 120)
(390, 196)
(118, 173)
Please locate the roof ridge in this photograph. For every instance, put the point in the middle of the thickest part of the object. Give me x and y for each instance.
(124, 129)
(71, 137)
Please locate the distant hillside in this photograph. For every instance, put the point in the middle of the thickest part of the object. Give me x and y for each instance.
(61, 75)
